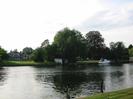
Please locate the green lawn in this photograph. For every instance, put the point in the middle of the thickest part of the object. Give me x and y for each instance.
(26, 63)
(121, 94)
(88, 62)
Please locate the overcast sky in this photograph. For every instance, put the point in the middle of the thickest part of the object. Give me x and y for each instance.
(29, 22)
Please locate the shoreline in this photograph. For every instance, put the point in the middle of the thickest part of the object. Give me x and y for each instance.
(27, 63)
(97, 62)
(32, 63)
(120, 94)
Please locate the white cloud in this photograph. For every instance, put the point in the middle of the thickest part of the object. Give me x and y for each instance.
(114, 24)
(29, 22)
(119, 34)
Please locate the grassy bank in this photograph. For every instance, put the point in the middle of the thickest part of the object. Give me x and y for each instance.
(26, 63)
(121, 94)
(96, 62)
(87, 62)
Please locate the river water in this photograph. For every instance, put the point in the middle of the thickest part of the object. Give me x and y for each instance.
(27, 82)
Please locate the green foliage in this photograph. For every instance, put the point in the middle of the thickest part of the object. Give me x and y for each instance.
(130, 52)
(50, 52)
(45, 43)
(38, 55)
(121, 94)
(95, 44)
(3, 54)
(130, 46)
(70, 44)
(118, 51)
(27, 52)
(27, 63)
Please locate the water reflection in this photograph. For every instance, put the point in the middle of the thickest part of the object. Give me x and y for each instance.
(62, 83)
(72, 83)
(3, 76)
(127, 76)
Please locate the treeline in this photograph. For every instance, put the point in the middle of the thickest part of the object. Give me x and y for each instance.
(70, 46)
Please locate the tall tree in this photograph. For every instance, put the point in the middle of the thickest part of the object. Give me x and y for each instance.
(45, 43)
(3, 54)
(50, 52)
(27, 52)
(130, 52)
(70, 44)
(95, 44)
(130, 46)
(118, 51)
(15, 55)
(38, 55)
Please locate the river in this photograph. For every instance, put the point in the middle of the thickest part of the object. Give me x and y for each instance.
(27, 82)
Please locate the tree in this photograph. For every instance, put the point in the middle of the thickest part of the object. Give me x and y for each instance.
(130, 46)
(50, 52)
(15, 55)
(45, 43)
(38, 55)
(95, 44)
(3, 54)
(118, 51)
(27, 52)
(70, 44)
(130, 52)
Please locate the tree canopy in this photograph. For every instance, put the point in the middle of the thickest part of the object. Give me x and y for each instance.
(45, 43)
(95, 44)
(27, 52)
(118, 51)
(38, 55)
(3, 54)
(70, 44)
(130, 52)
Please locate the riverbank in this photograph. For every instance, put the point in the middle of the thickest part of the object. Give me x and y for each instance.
(26, 63)
(97, 62)
(87, 62)
(121, 94)
(32, 63)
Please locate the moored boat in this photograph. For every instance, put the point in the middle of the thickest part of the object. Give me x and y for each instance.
(104, 61)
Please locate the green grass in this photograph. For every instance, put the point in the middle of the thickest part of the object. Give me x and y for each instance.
(121, 94)
(26, 63)
(88, 62)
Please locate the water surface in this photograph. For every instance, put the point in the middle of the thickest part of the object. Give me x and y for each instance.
(29, 82)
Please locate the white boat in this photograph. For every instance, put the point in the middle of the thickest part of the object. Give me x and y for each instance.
(104, 61)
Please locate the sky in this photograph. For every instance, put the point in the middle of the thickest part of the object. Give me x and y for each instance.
(27, 23)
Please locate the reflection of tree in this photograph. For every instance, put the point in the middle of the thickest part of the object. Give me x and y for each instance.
(3, 75)
(71, 83)
(69, 80)
(113, 78)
